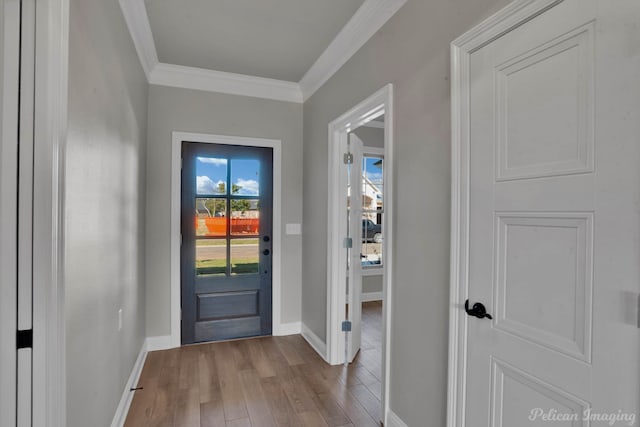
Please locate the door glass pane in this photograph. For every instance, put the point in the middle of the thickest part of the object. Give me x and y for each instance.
(245, 256)
(245, 217)
(211, 219)
(211, 257)
(211, 176)
(245, 177)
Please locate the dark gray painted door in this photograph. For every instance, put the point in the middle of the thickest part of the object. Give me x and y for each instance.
(226, 226)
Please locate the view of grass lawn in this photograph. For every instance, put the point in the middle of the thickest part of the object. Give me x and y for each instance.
(217, 266)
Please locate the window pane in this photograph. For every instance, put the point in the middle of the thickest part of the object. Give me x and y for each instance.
(371, 254)
(372, 207)
(244, 256)
(372, 183)
(245, 217)
(245, 177)
(211, 257)
(211, 176)
(211, 217)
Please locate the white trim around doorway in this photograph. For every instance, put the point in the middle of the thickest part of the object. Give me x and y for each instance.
(378, 103)
(176, 141)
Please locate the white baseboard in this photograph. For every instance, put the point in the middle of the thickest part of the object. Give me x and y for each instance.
(371, 296)
(394, 421)
(288, 329)
(162, 342)
(315, 342)
(127, 395)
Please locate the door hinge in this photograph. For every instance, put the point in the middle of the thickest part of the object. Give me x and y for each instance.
(348, 242)
(346, 326)
(348, 158)
(24, 339)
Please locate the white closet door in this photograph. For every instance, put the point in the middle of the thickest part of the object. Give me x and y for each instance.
(553, 219)
(17, 87)
(9, 78)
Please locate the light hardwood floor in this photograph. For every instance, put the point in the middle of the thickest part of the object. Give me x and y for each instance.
(267, 381)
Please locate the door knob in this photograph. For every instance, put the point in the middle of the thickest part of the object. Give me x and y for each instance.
(478, 310)
(266, 252)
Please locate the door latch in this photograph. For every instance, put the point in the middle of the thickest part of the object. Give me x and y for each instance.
(478, 310)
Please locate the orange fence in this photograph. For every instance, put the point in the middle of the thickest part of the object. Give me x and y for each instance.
(217, 226)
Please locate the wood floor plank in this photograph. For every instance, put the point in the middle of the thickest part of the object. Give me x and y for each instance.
(275, 356)
(208, 376)
(299, 393)
(230, 386)
(241, 422)
(330, 410)
(357, 414)
(212, 413)
(281, 408)
(312, 419)
(368, 401)
(187, 408)
(257, 403)
(289, 352)
(241, 355)
(259, 359)
(165, 399)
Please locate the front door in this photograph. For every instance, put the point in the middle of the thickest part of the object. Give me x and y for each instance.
(226, 241)
(553, 220)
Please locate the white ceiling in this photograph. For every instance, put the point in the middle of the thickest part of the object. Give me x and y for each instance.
(273, 49)
(277, 39)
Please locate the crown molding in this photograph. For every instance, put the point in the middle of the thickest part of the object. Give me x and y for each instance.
(367, 20)
(219, 81)
(135, 15)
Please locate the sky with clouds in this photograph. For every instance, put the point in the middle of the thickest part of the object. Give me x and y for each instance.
(371, 171)
(211, 172)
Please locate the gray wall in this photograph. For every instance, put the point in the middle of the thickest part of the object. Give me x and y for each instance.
(174, 109)
(412, 52)
(104, 218)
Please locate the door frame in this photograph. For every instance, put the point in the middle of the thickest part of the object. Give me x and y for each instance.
(176, 155)
(336, 253)
(513, 15)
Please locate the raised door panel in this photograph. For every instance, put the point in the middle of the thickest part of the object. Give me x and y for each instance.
(544, 111)
(543, 286)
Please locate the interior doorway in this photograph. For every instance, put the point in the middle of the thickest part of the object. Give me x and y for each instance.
(360, 240)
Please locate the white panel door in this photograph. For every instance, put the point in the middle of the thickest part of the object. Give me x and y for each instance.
(354, 263)
(17, 87)
(9, 78)
(554, 225)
